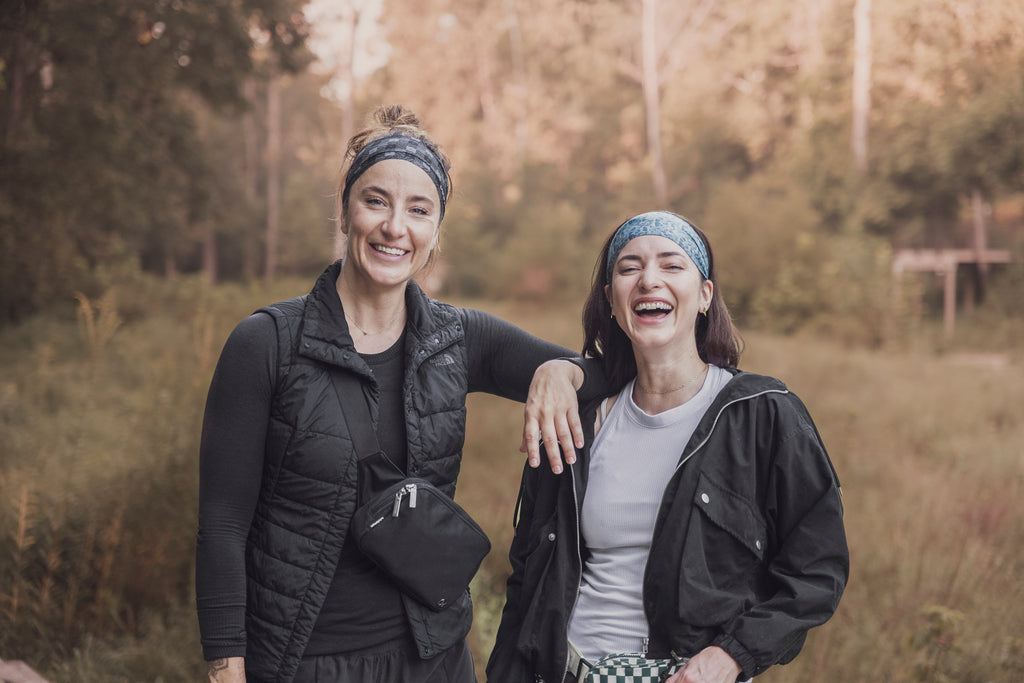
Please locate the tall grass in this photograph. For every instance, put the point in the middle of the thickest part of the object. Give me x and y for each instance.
(100, 412)
(99, 424)
(930, 453)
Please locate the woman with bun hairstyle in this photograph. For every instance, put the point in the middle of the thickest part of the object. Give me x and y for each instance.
(283, 592)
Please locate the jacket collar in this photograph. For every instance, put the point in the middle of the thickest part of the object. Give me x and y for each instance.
(742, 386)
(325, 337)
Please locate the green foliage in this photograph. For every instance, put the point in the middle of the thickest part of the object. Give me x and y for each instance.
(98, 131)
(978, 145)
(780, 272)
(134, 136)
(542, 254)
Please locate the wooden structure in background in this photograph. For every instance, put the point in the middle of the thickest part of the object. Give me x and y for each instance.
(944, 263)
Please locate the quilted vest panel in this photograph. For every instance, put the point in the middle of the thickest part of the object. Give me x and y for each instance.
(308, 491)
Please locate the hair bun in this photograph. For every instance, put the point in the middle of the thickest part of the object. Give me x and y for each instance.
(396, 115)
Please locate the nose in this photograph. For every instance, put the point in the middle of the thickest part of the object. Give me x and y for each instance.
(393, 225)
(649, 279)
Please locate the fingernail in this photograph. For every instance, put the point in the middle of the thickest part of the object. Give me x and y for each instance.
(558, 469)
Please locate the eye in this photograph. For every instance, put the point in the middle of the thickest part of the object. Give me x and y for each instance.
(421, 211)
(374, 201)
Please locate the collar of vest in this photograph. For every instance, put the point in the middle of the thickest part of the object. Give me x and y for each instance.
(430, 325)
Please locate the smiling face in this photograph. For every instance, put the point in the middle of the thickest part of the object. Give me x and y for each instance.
(391, 221)
(656, 293)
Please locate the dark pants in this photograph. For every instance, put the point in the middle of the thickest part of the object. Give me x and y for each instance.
(394, 662)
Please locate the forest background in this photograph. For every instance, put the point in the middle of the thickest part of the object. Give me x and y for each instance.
(167, 166)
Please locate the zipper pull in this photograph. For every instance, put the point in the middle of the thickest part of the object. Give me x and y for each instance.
(411, 488)
(398, 502)
(643, 650)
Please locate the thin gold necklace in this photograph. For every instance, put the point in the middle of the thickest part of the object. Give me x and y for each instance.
(692, 380)
(382, 330)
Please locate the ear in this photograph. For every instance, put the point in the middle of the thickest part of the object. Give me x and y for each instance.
(608, 294)
(707, 290)
(342, 225)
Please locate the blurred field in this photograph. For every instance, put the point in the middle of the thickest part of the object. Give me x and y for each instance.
(99, 423)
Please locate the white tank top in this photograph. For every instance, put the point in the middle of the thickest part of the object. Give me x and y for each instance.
(633, 457)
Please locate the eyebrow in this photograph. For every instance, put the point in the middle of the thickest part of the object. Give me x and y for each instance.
(664, 254)
(380, 190)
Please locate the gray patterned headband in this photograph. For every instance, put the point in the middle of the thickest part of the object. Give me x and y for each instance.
(663, 224)
(406, 148)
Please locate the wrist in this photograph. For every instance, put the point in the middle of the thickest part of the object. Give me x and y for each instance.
(576, 375)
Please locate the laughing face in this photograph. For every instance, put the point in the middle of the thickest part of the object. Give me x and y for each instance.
(391, 222)
(656, 292)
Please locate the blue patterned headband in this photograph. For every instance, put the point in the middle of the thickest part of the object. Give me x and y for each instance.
(406, 148)
(663, 224)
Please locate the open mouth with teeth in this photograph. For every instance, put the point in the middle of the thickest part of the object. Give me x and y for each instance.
(390, 251)
(652, 309)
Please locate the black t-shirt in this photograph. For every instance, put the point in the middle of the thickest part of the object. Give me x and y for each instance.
(363, 607)
(360, 610)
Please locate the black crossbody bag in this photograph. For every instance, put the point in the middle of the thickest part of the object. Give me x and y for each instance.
(409, 528)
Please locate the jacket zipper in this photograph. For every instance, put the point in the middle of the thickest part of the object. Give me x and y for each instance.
(579, 563)
(423, 352)
(718, 416)
(676, 471)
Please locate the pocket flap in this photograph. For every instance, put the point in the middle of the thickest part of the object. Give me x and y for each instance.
(733, 513)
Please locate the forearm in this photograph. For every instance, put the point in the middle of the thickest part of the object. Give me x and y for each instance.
(230, 468)
(594, 383)
(501, 357)
(228, 670)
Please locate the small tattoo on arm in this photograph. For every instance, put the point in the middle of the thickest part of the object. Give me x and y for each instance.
(216, 666)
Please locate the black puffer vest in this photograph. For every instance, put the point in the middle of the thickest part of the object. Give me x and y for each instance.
(308, 490)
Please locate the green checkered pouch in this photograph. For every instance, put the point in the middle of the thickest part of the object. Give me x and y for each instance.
(632, 668)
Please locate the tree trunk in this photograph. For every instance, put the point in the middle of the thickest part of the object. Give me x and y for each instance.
(519, 80)
(980, 243)
(980, 228)
(651, 86)
(170, 266)
(273, 157)
(250, 178)
(348, 67)
(17, 85)
(209, 253)
(861, 83)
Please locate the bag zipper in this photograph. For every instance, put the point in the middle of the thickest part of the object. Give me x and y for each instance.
(407, 489)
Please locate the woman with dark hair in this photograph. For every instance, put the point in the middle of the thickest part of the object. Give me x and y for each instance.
(283, 590)
(702, 519)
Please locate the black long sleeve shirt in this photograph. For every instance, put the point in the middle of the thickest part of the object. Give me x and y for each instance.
(363, 607)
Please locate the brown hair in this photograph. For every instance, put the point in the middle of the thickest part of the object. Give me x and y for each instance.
(385, 120)
(718, 340)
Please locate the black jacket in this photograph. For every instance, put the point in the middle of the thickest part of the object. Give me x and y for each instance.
(308, 491)
(748, 550)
